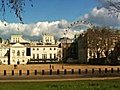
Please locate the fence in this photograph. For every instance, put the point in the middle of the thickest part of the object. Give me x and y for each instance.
(92, 72)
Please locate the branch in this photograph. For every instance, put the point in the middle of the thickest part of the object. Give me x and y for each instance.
(17, 6)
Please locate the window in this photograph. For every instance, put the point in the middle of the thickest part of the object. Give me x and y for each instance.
(33, 56)
(13, 39)
(18, 39)
(33, 48)
(37, 48)
(50, 48)
(23, 60)
(44, 56)
(18, 53)
(43, 48)
(37, 56)
(54, 48)
(13, 51)
(4, 61)
(50, 56)
(54, 56)
(23, 53)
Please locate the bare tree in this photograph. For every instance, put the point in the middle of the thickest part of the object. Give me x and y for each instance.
(17, 6)
(113, 6)
(99, 41)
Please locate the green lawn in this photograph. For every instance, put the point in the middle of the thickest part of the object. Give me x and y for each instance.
(63, 85)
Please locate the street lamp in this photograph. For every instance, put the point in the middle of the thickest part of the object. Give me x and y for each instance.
(64, 47)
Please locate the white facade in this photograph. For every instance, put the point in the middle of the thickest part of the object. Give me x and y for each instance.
(48, 39)
(18, 54)
(44, 53)
(3, 54)
(21, 51)
(17, 39)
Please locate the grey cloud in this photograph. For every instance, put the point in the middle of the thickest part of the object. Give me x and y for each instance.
(101, 17)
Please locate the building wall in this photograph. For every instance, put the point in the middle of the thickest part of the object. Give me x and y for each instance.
(17, 38)
(44, 52)
(48, 39)
(3, 55)
(82, 49)
(18, 54)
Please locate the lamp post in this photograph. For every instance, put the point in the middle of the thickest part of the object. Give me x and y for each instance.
(66, 45)
(64, 48)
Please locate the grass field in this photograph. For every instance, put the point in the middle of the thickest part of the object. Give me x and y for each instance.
(63, 85)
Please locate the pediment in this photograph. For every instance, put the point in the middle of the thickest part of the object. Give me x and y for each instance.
(17, 45)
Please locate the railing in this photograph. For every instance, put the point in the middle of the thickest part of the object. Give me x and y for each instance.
(84, 72)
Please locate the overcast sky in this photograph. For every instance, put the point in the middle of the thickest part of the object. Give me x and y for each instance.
(53, 16)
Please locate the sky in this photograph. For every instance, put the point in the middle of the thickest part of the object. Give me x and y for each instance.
(51, 10)
(54, 16)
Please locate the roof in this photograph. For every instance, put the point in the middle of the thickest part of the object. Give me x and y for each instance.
(17, 45)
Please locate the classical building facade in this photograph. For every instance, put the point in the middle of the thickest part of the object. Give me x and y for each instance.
(4, 49)
(21, 51)
(18, 54)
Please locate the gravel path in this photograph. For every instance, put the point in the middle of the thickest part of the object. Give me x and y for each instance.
(54, 78)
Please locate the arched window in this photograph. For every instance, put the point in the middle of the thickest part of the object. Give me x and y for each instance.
(18, 53)
(23, 60)
(13, 51)
(37, 48)
(23, 53)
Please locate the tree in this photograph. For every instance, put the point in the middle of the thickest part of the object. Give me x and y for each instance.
(104, 42)
(100, 41)
(17, 6)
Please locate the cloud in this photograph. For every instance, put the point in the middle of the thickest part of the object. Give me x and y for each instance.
(34, 31)
(101, 17)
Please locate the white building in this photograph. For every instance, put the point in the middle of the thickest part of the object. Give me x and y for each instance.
(44, 53)
(48, 39)
(18, 54)
(4, 54)
(17, 39)
(21, 51)
(47, 51)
